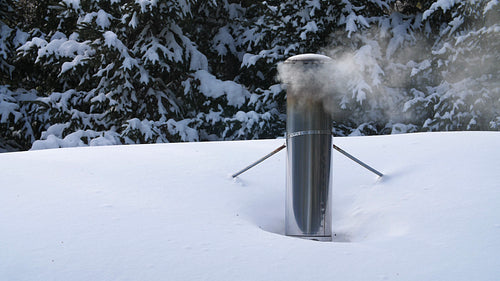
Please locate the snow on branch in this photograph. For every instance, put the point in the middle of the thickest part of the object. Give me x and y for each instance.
(444, 5)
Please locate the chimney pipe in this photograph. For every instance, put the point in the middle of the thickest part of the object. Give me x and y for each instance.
(309, 146)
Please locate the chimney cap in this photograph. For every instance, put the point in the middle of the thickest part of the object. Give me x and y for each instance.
(309, 59)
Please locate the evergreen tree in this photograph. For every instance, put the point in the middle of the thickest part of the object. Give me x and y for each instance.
(118, 71)
(16, 132)
(458, 85)
(127, 74)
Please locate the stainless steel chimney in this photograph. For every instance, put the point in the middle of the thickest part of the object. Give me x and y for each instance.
(309, 146)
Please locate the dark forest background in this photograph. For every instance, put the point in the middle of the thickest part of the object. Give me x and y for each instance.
(78, 72)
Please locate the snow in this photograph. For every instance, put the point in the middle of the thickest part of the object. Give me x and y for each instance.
(103, 19)
(212, 87)
(249, 60)
(133, 22)
(352, 20)
(440, 4)
(111, 40)
(490, 6)
(170, 212)
(223, 41)
(182, 128)
(401, 33)
(77, 60)
(5, 32)
(8, 105)
(315, 5)
(75, 4)
(309, 27)
(425, 64)
(60, 46)
(146, 4)
(52, 138)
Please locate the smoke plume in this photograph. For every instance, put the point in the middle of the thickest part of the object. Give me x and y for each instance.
(417, 83)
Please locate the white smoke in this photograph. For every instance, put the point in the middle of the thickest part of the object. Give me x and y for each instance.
(396, 87)
(336, 82)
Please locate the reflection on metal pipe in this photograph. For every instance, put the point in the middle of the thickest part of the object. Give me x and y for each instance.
(309, 143)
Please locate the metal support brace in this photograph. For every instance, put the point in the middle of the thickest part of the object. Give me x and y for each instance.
(283, 146)
(357, 161)
(259, 161)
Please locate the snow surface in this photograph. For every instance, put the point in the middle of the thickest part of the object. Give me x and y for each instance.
(171, 212)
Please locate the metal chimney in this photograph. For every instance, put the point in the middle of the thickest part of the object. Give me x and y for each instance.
(308, 143)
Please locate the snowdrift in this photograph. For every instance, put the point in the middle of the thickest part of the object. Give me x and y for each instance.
(171, 212)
